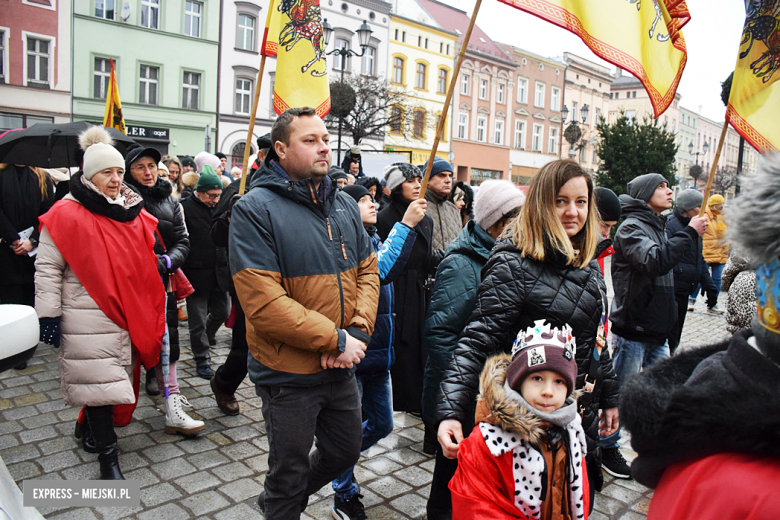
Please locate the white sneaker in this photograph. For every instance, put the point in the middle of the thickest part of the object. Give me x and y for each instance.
(176, 420)
(691, 303)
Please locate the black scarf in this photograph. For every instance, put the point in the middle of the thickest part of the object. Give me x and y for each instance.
(97, 203)
(162, 189)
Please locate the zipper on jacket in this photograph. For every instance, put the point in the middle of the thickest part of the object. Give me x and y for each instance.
(330, 235)
(343, 249)
(338, 274)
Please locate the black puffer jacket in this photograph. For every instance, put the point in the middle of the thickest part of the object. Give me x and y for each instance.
(514, 293)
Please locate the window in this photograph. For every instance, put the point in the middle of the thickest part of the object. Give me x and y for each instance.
(444, 130)
(243, 96)
(246, 32)
(192, 12)
(536, 139)
(499, 133)
(9, 121)
(441, 47)
(552, 145)
(341, 62)
(574, 111)
(482, 128)
(396, 117)
(674, 125)
(465, 79)
(2, 57)
(520, 134)
(617, 95)
(598, 116)
(419, 77)
(150, 14)
(37, 62)
(191, 89)
(441, 85)
(104, 9)
(595, 156)
(483, 89)
(419, 124)
(147, 92)
(396, 34)
(463, 125)
(631, 115)
(419, 41)
(539, 95)
(369, 59)
(403, 36)
(237, 154)
(102, 77)
(522, 90)
(582, 153)
(398, 71)
(500, 94)
(555, 99)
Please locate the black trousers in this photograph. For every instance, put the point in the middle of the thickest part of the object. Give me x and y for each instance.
(228, 377)
(440, 499)
(18, 293)
(682, 312)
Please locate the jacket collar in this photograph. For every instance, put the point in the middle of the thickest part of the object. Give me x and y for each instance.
(161, 190)
(640, 210)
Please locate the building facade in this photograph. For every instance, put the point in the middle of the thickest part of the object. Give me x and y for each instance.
(165, 56)
(686, 135)
(34, 63)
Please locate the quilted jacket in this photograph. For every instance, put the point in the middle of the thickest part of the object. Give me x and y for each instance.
(447, 222)
(515, 292)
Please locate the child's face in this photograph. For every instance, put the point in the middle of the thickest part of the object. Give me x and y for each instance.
(546, 391)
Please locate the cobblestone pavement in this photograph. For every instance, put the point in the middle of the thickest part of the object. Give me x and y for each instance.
(219, 474)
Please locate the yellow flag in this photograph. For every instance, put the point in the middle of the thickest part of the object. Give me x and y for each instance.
(755, 91)
(293, 33)
(113, 116)
(643, 37)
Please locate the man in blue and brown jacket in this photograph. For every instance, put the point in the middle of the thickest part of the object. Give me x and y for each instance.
(306, 275)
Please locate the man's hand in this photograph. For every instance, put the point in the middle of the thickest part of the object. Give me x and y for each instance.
(699, 224)
(354, 351)
(328, 361)
(415, 212)
(609, 422)
(22, 247)
(450, 436)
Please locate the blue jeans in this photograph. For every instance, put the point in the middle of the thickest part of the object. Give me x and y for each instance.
(628, 358)
(717, 271)
(376, 398)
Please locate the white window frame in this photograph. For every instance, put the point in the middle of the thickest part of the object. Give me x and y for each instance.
(144, 84)
(194, 17)
(500, 93)
(498, 133)
(539, 94)
(522, 90)
(341, 62)
(105, 78)
(188, 89)
(51, 7)
(5, 36)
(465, 80)
(483, 88)
(574, 111)
(368, 64)
(463, 125)
(519, 134)
(245, 34)
(149, 7)
(51, 56)
(555, 99)
(482, 121)
(245, 95)
(552, 143)
(536, 137)
(104, 2)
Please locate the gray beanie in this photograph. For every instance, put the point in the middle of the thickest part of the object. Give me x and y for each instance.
(644, 186)
(494, 200)
(689, 199)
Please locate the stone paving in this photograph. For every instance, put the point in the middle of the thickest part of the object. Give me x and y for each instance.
(219, 474)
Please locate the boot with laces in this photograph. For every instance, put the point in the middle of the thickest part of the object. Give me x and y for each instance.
(613, 463)
(177, 420)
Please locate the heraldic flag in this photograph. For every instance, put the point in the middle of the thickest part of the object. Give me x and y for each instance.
(113, 116)
(293, 34)
(643, 37)
(755, 89)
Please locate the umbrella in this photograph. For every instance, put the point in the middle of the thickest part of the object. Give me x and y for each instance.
(49, 145)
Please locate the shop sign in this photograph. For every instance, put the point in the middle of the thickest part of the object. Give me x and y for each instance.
(147, 132)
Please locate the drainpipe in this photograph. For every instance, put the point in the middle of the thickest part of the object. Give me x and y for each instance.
(219, 75)
(72, 66)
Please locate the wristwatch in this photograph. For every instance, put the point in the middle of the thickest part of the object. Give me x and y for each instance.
(33, 241)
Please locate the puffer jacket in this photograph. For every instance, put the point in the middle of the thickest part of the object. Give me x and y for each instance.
(304, 271)
(644, 308)
(691, 269)
(514, 293)
(95, 353)
(446, 220)
(716, 249)
(453, 299)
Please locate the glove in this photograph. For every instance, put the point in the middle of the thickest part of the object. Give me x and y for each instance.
(436, 258)
(712, 298)
(50, 331)
(232, 202)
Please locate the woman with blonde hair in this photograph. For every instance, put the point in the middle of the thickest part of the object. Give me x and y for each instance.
(543, 268)
(174, 174)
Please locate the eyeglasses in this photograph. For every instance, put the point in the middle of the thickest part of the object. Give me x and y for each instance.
(214, 196)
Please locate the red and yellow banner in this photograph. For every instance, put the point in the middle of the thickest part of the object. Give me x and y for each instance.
(755, 91)
(643, 37)
(293, 34)
(113, 115)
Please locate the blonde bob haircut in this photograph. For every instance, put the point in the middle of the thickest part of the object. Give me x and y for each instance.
(538, 230)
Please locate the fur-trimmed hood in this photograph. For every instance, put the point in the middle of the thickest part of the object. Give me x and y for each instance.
(190, 179)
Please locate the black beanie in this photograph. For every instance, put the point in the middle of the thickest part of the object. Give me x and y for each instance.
(356, 191)
(608, 204)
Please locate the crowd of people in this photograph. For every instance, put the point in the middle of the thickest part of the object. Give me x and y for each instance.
(483, 311)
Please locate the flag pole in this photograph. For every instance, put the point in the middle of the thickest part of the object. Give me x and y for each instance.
(249, 135)
(714, 167)
(448, 98)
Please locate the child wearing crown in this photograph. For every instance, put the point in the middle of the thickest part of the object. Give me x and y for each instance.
(526, 455)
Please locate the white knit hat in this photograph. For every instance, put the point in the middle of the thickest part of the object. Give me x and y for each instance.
(494, 200)
(99, 151)
(204, 158)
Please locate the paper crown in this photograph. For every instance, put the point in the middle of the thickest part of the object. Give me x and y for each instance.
(541, 334)
(768, 295)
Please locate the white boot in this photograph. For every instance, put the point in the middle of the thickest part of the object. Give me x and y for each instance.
(176, 420)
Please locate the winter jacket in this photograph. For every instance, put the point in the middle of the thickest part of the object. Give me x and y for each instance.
(446, 220)
(305, 272)
(453, 299)
(392, 256)
(716, 250)
(705, 424)
(190, 181)
(644, 308)
(514, 293)
(740, 283)
(511, 468)
(95, 353)
(691, 270)
(206, 267)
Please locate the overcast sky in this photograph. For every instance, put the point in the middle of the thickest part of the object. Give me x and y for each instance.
(712, 38)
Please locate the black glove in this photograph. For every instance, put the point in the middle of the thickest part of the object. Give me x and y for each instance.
(50, 331)
(436, 259)
(232, 202)
(712, 298)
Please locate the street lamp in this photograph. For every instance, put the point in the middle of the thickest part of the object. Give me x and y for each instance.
(573, 132)
(705, 147)
(364, 37)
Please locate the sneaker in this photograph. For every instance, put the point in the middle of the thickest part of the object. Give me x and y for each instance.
(714, 310)
(612, 462)
(348, 509)
(691, 303)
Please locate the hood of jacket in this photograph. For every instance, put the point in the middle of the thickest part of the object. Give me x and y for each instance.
(636, 208)
(162, 189)
(190, 179)
(473, 241)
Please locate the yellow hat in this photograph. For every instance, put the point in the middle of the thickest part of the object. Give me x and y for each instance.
(715, 200)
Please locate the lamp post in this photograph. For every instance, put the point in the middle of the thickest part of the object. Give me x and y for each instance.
(704, 147)
(364, 36)
(573, 131)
